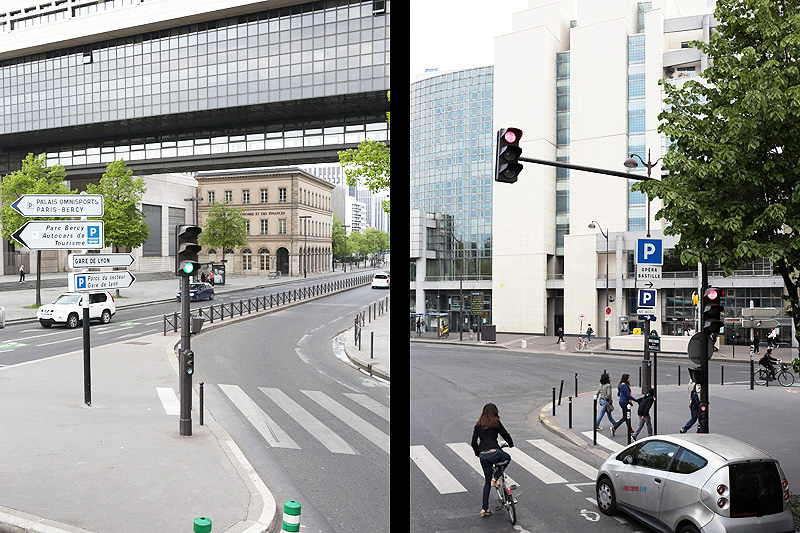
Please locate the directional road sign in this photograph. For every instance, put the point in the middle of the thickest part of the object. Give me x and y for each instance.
(760, 323)
(100, 260)
(649, 276)
(649, 252)
(759, 312)
(59, 205)
(98, 281)
(61, 235)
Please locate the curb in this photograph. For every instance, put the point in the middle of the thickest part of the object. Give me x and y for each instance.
(568, 434)
(371, 368)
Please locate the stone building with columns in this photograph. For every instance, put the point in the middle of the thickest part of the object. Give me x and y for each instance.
(289, 219)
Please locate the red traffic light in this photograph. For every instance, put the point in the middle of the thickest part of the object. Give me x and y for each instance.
(510, 136)
(712, 294)
(702, 407)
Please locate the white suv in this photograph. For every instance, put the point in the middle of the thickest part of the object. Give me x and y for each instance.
(68, 309)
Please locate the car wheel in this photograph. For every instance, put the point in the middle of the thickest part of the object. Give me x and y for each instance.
(211, 297)
(45, 324)
(688, 528)
(72, 321)
(605, 497)
(105, 318)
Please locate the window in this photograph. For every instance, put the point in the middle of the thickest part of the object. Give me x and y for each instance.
(247, 226)
(228, 197)
(210, 197)
(282, 195)
(687, 462)
(755, 489)
(264, 256)
(247, 259)
(246, 196)
(281, 226)
(264, 196)
(264, 226)
(655, 454)
(152, 216)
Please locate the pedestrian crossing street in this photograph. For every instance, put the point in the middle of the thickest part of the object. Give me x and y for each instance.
(544, 461)
(346, 413)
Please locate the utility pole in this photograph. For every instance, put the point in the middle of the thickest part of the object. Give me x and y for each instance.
(344, 259)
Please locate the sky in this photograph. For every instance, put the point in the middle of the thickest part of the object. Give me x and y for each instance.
(457, 34)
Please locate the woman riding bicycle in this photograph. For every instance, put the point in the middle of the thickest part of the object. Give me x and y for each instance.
(485, 446)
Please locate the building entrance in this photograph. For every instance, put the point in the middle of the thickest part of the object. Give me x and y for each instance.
(283, 261)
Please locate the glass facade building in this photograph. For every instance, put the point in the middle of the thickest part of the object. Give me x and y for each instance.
(222, 86)
(451, 142)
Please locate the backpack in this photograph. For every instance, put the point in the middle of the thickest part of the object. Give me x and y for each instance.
(589, 331)
(694, 399)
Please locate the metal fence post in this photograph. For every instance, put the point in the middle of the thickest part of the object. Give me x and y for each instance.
(371, 342)
(570, 412)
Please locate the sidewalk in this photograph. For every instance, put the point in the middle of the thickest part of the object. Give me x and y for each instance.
(121, 465)
(378, 363)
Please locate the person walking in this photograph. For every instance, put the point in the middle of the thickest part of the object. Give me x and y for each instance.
(605, 401)
(211, 277)
(645, 403)
(625, 402)
(560, 334)
(756, 342)
(773, 338)
(22, 274)
(694, 405)
(419, 325)
(485, 446)
(589, 332)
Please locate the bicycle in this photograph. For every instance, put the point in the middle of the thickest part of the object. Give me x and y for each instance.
(583, 344)
(782, 374)
(504, 490)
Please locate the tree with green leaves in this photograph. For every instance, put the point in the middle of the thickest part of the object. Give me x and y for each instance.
(733, 189)
(337, 238)
(35, 177)
(123, 219)
(375, 241)
(225, 228)
(368, 165)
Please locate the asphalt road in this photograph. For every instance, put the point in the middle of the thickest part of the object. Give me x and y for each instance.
(450, 385)
(315, 428)
(27, 341)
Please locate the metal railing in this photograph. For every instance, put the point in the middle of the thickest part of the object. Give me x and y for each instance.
(261, 303)
(374, 310)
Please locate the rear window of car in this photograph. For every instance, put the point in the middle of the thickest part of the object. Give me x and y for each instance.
(687, 462)
(97, 298)
(381, 276)
(755, 489)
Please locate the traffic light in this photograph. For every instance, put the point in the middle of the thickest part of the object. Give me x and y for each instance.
(702, 415)
(188, 362)
(507, 166)
(712, 308)
(187, 262)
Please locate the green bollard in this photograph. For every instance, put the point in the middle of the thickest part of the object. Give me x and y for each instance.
(291, 516)
(202, 525)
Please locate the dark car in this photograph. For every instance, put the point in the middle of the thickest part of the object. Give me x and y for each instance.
(199, 291)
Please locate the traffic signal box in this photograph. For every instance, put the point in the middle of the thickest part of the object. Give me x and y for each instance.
(507, 166)
(187, 250)
(188, 362)
(712, 309)
(702, 416)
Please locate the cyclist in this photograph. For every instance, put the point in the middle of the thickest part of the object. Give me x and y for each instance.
(769, 362)
(485, 446)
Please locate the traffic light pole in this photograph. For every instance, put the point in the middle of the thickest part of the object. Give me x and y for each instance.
(703, 420)
(595, 170)
(185, 381)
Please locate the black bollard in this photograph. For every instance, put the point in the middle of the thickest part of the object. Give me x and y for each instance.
(629, 422)
(751, 372)
(640, 379)
(570, 412)
(594, 419)
(679, 375)
(560, 391)
(201, 403)
(722, 374)
(576, 384)
(371, 342)
(554, 401)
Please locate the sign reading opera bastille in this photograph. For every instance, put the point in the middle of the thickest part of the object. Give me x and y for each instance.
(272, 200)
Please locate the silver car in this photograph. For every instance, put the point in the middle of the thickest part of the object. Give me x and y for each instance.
(689, 483)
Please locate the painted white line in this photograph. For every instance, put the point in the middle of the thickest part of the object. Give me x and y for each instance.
(60, 341)
(574, 486)
(591, 500)
(464, 450)
(271, 432)
(169, 400)
(303, 339)
(566, 458)
(378, 437)
(156, 322)
(268, 509)
(373, 405)
(534, 467)
(301, 355)
(318, 430)
(605, 442)
(35, 336)
(316, 328)
(443, 480)
(112, 330)
(343, 384)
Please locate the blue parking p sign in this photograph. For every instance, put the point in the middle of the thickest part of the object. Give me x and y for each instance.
(80, 282)
(647, 298)
(649, 252)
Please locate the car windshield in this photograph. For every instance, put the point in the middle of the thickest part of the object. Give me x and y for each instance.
(195, 287)
(67, 299)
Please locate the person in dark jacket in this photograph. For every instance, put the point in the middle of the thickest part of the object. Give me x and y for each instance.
(485, 446)
(560, 334)
(645, 403)
(625, 401)
(756, 342)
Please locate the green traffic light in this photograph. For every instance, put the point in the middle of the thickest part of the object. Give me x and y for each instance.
(188, 268)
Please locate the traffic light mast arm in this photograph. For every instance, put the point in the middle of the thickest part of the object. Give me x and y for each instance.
(585, 169)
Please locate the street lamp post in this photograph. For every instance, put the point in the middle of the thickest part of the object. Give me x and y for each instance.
(344, 259)
(604, 234)
(305, 246)
(194, 201)
(631, 163)
(460, 289)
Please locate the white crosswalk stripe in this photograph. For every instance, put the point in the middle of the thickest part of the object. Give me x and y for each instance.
(441, 478)
(169, 400)
(268, 429)
(378, 437)
(566, 458)
(318, 430)
(534, 467)
(464, 450)
(373, 405)
(605, 442)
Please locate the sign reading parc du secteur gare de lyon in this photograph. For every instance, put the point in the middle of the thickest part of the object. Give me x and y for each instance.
(59, 205)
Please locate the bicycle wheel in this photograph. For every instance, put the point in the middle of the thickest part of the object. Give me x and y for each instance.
(760, 376)
(511, 508)
(785, 378)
